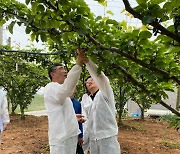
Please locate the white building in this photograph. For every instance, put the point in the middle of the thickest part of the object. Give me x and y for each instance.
(155, 109)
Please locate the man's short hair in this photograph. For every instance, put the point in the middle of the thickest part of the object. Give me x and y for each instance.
(87, 78)
(85, 84)
(53, 68)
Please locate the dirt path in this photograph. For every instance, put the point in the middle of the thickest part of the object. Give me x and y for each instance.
(137, 137)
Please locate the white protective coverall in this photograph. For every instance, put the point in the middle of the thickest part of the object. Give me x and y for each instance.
(63, 125)
(4, 115)
(102, 127)
(85, 111)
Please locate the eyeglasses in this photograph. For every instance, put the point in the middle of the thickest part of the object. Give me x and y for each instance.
(59, 68)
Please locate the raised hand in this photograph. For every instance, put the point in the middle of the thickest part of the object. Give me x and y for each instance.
(81, 57)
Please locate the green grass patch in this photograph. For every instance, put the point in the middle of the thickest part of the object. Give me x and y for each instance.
(137, 127)
(174, 121)
(171, 145)
(37, 103)
(134, 126)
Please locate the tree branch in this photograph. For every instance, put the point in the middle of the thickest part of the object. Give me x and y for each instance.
(165, 74)
(143, 88)
(131, 79)
(155, 23)
(52, 6)
(52, 31)
(28, 52)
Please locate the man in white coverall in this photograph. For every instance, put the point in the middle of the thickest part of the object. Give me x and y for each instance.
(4, 115)
(102, 128)
(62, 120)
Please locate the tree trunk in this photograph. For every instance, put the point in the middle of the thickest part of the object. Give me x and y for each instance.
(13, 107)
(22, 113)
(142, 113)
(120, 117)
(13, 113)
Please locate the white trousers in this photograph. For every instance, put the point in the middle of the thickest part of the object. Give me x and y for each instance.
(66, 147)
(105, 146)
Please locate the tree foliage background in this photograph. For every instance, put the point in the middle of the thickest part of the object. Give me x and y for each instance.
(125, 52)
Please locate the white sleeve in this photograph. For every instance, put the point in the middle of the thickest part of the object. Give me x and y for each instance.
(100, 79)
(83, 103)
(58, 92)
(4, 109)
(85, 110)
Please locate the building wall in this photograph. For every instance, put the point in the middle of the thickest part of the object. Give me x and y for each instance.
(134, 108)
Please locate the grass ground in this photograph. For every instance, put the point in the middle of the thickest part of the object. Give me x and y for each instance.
(37, 103)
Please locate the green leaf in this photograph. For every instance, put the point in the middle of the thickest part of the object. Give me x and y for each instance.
(37, 37)
(34, 7)
(40, 1)
(110, 12)
(78, 18)
(155, 10)
(143, 72)
(138, 8)
(39, 16)
(100, 1)
(2, 22)
(43, 37)
(43, 23)
(19, 23)
(158, 98)
(141, 1)
(28, 30)
(156, 1)
(98, 18)
(40, 8)
(10, 27)
(111, 21)
(145, 34)
(64, 2)
(65, 37)
(27, 2)
(148, 19)
(168, 7)
(33, 35)
(81, 32)
(103, 3)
